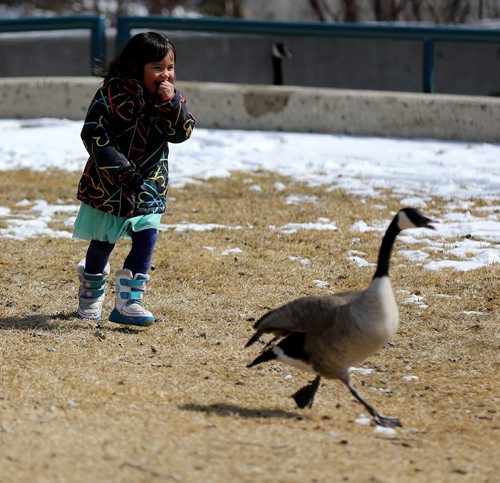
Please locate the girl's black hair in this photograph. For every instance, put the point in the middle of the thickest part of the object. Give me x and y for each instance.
(140, 50)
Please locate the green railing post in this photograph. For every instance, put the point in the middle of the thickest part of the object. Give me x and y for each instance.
(98, 43)
(428, 66)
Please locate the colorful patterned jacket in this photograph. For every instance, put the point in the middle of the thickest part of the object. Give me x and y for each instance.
(126, 135)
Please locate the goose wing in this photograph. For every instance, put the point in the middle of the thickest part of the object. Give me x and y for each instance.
(306, 315)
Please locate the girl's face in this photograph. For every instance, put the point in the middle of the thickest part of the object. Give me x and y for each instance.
(157, 72)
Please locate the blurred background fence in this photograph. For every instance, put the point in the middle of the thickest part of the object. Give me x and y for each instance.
(443, 59)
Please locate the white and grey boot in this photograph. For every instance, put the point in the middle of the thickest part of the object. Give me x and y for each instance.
(129, 294)
(91, 293)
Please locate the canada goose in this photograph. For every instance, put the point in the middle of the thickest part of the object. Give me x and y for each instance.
(327, 335)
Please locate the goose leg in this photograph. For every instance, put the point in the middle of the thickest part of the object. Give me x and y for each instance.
(304, 397)
(385, 421)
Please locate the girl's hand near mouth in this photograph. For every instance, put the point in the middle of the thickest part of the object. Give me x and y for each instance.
(166, 90)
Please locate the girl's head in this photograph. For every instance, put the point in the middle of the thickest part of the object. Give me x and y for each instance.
(140, 50)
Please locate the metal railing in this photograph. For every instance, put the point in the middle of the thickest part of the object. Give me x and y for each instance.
(427, 35)
(96, 24)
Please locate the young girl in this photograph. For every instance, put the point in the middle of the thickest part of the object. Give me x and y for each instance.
(123, 189)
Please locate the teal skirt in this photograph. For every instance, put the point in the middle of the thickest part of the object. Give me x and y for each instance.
(92, 224)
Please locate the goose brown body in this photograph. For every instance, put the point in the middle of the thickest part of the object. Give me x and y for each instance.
(326, 335)
(340, 330)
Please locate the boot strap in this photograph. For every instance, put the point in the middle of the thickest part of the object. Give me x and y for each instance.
(94, 283)
(132, 283)
(132, 295)
(92, 294)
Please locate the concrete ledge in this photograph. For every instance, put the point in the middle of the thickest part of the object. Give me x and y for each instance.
(281, 108)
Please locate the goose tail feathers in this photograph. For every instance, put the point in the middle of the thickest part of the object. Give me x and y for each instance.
(254, 338)
(268, 355)
(271, 322)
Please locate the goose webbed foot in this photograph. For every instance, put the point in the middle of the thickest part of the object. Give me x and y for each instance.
(386, 421)
(304, 397)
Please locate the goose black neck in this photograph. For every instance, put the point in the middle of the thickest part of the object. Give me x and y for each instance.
(384, 255)
(277, 71)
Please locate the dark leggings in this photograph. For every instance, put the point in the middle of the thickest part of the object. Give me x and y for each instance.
(138, 260)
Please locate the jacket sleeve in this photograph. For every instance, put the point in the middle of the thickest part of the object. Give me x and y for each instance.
(176, 119)
(97, 136)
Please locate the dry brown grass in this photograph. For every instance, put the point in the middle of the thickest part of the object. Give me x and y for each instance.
(81, 401)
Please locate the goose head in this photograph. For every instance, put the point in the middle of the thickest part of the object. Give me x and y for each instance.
(280, 51)
(412, 218)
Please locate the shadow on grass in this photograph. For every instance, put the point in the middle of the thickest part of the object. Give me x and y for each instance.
(223, 409)
(61, 320)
